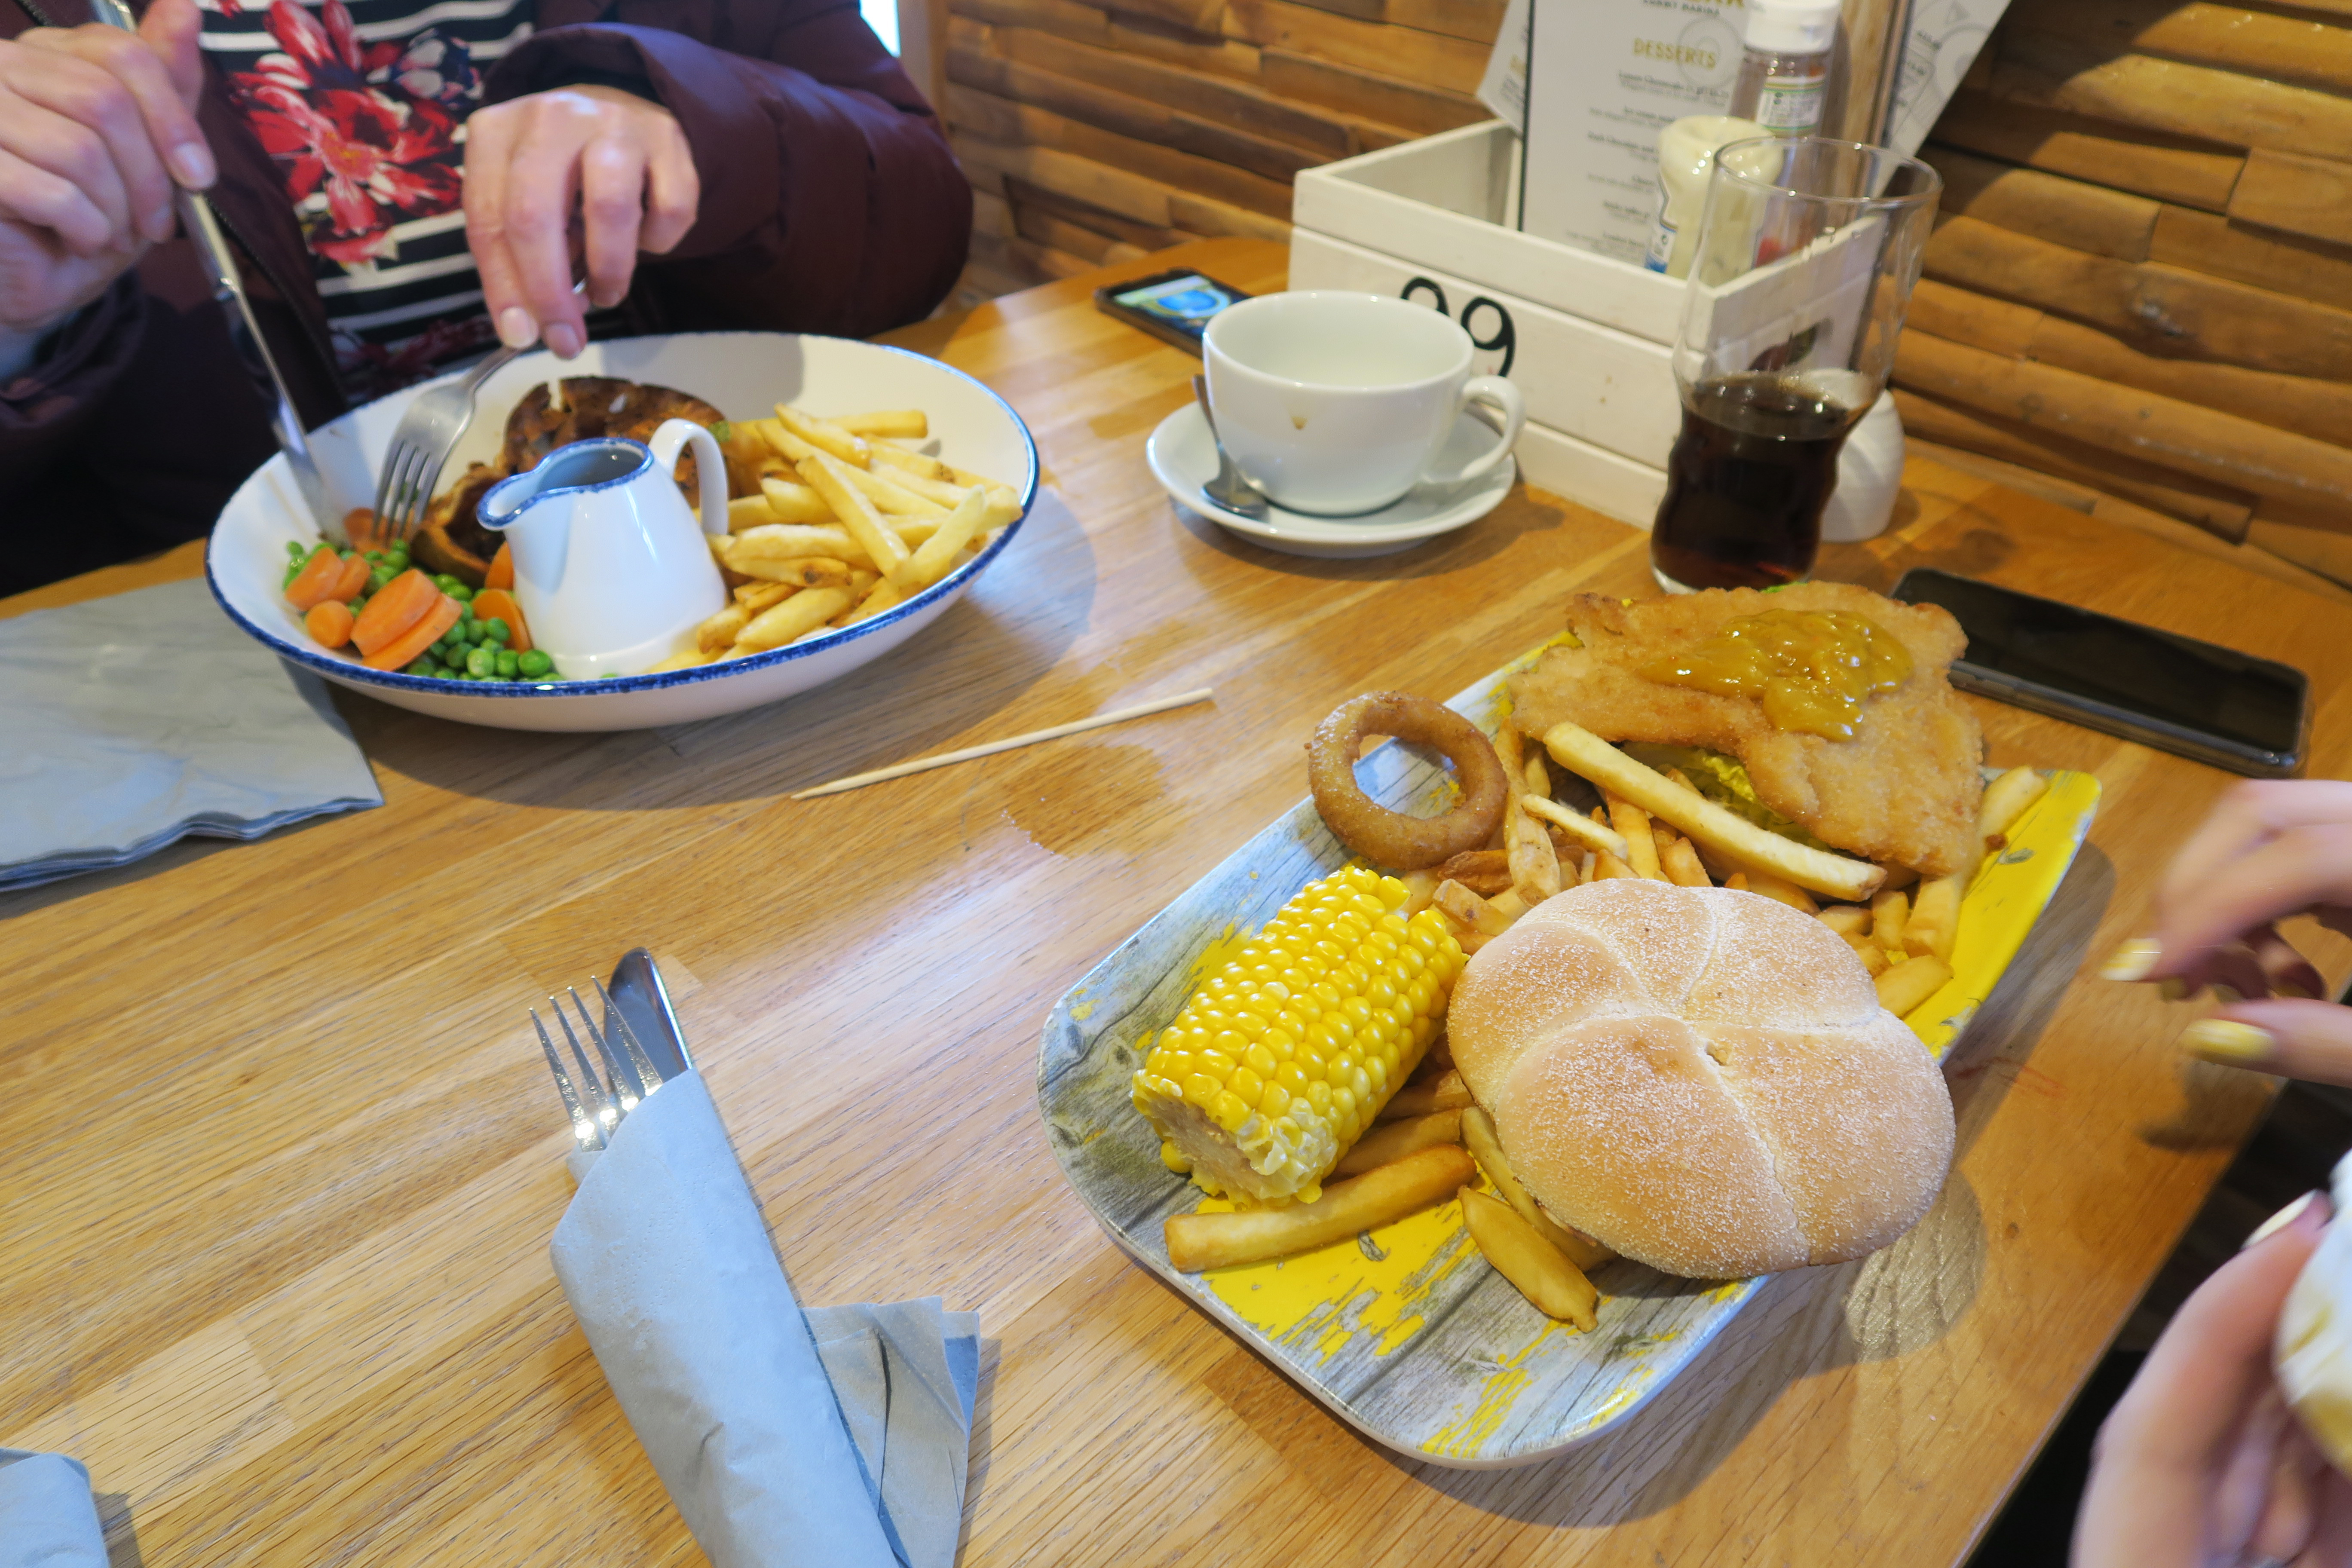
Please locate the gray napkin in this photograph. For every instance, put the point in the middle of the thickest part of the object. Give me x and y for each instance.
(762, 1422)
(47, 1518)
(132, 722)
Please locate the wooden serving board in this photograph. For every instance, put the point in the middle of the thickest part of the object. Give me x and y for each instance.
(1405, 1331)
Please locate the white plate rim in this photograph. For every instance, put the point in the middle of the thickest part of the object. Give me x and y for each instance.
(351, 670)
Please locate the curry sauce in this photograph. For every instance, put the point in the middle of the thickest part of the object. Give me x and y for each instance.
(1812, 670)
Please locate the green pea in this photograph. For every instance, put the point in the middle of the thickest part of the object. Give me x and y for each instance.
(294, 549)
(482, 661)
(534, 664)
(380, 579)
(497, 629)
(376, 555)
(425, 666)
(507, 664)
(292, 572)
(461, 593)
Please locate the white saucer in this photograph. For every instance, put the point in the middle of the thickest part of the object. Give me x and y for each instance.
(1183, 458)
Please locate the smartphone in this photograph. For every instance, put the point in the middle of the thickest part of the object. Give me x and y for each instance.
(2175, 693)
(1173, 306)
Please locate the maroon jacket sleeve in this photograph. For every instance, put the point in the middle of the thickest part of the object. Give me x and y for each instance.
(830, 201)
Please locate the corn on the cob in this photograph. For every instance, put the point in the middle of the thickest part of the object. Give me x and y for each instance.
(1285, 1056)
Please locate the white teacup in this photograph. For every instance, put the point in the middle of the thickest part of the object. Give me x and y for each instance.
(1337, 403)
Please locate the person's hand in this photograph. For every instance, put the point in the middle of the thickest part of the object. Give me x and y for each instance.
(2270, 849)
(621, 163)
(2201, 1463)
(96, 127)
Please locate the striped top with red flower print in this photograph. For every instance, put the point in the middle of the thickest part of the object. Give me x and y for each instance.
(363, 105)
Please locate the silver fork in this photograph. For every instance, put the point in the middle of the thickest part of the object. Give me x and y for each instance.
(629, 1073)
(428, 432)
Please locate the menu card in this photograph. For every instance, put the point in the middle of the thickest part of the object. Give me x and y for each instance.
(1604, 77)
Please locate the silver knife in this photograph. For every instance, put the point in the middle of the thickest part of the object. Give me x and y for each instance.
(639, 996)
(245, 331)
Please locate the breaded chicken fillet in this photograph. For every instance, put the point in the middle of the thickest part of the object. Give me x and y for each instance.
(1904, 791)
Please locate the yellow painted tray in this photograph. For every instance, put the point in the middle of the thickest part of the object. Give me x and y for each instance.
(1405, 1333)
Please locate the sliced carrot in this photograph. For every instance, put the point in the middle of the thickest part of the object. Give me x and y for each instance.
(360, 528)
(501, 572)
(406, 648)
(498, 604)
(401, 603)
(330, 621)
(354, 580)
(319, 578)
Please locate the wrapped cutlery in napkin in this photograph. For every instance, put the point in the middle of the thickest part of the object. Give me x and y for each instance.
(135, 721)
(837, 1438)
(47, 1518)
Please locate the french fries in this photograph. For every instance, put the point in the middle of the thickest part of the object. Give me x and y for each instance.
(1633, 824)
(932, 558)
(804, 612)
(1486, 1147)
(1935, 923)
(1484, 872)
(1198, 1241)
(1394, 1139)
(826, 475)
(906, 424)
(1905, 986)
(1846, 919)
(1582, 752)
(1581, 828)
(791, 542)
(1466, 908)
(889, 496)
(789, 502)
(1680, 862)
(1539, 1271)
(2005, 799)
(1889, 912)
(1535, 865)
(823, 434)
(1773, 888)
(1446, 1091)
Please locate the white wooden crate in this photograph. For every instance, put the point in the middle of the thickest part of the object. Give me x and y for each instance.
(1586, 337)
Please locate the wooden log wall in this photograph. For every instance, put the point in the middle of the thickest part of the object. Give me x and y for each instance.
(1094, 133)
(2138, 299)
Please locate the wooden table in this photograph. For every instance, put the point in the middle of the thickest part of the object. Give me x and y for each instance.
(282, 1160)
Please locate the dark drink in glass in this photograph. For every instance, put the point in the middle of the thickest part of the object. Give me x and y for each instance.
(1746, 482)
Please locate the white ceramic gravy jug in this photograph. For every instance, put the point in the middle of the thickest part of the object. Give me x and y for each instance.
(610, 568)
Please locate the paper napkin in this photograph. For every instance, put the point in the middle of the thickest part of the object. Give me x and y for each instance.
(47, 1518)
(135, 721)
(837, 1438)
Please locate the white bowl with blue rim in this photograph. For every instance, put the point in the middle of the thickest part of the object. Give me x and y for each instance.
(744, 375)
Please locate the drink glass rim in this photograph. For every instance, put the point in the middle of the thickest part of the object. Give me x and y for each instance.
(1932, 189)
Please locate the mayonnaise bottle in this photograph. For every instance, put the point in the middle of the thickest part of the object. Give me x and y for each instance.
(1686, 158)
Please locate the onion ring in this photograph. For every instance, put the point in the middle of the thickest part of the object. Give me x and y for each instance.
(1391, 839)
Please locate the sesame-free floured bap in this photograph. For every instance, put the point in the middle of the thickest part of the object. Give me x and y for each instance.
(1701, 1079)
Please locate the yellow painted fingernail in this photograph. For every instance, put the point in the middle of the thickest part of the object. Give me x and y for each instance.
(2133, 960)
(2227, 1041)
(2300, 993)
(2173, 990)
(2226, 994)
